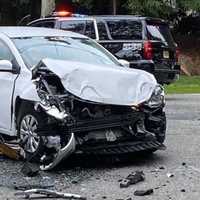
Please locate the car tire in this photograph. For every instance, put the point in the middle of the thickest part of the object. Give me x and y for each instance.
(28, 122)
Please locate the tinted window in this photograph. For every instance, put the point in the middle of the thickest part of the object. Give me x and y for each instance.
(82, 27)
(46, 24)
(160, 32)
(5, 53)
(103, 35)
(125, 29)
(90, 30)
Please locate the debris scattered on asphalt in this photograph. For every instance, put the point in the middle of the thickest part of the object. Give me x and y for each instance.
(155, 171)
(132, 179)
(184, 164)
(136, 177)
(44, 183)
(169, 175)
(124, 183)
(30, 170)
(6, 150)
(162, 167)
(48, 194)
(29, 187)
(74, 182)
(143, 192)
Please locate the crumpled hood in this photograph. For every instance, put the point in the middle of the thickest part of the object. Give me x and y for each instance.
(103, 84)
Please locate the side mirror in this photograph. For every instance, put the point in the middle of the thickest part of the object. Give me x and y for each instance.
(6, 66)
(125, 63)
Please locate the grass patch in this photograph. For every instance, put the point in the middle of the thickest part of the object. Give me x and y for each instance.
(185, 85)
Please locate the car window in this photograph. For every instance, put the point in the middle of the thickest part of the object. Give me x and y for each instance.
(103, 35)
(5, 53)
(124, 29)
(160, 32)
(34, 49)
(46, 24)
(75, 26)
(90, 30)
(79, 26)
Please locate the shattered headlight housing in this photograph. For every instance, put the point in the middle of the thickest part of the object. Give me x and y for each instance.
(45, 97)
(157, 98)
(49, 105)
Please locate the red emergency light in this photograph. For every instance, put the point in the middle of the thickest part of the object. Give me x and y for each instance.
(62, 13)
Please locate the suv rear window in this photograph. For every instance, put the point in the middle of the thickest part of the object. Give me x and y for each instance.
(125, 29)
(160, 32)
(79, 26)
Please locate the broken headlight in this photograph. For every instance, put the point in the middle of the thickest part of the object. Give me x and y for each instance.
(45, 97)
(50, 105)
(157, 98)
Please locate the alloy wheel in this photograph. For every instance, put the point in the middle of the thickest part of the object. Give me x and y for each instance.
(28, 136)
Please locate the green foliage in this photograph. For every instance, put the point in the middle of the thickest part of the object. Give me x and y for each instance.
(160, 8)
(189, 4)
(185, 85)
(154, 8)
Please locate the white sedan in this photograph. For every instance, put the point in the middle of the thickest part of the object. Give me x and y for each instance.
(62, 93)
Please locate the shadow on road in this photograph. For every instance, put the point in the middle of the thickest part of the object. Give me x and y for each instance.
(102, 162)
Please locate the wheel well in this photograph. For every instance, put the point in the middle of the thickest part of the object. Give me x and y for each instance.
(18, 107)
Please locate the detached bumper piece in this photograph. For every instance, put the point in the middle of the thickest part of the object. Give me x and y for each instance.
(63, 153)
(43, 193)
(123, 148)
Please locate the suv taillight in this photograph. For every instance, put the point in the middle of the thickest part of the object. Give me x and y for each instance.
(148, 50)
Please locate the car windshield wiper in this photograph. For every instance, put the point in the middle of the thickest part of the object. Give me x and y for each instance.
(54, 39)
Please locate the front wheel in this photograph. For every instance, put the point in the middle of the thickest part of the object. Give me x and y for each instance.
(31, 143)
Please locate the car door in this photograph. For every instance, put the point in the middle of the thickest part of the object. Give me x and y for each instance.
(7, 80)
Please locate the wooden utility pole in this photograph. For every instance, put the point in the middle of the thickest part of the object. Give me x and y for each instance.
(47, 7)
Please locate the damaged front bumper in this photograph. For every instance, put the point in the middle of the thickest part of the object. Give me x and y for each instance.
(108, 135)
(64, 152)
(121, 148)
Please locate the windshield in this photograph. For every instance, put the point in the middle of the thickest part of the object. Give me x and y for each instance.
(34, 49)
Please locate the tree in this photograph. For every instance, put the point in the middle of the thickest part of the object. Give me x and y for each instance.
(189, 4)
(47, 7)
(154, 8)
(161, 8)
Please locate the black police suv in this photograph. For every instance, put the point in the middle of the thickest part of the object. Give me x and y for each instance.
(145, 42)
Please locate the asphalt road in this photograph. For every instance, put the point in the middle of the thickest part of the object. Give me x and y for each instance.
(100, 180)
